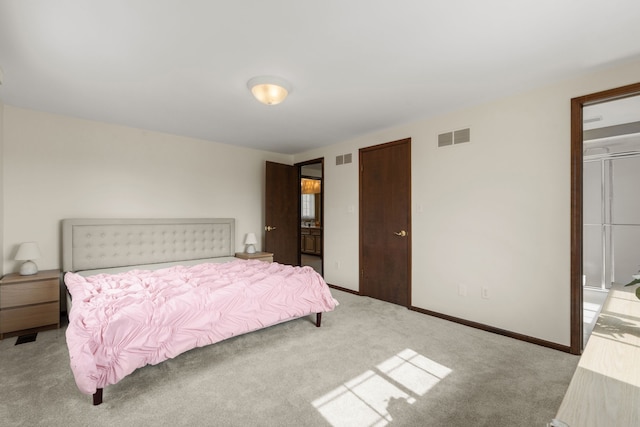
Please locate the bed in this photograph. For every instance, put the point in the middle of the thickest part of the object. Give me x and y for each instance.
(141, 291)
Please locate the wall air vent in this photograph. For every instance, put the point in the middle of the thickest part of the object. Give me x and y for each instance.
(455, 137)
(462, 135)
(445, 139)
(343, 159)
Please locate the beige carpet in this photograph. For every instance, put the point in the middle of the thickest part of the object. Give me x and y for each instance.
(371, 363)
(312, 261)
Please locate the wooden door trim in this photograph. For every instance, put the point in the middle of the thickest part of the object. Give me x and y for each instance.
(577, 104)
(409, 218)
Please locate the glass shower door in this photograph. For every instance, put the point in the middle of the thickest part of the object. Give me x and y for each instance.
(611, 214)
(597, 261)
(625, 217)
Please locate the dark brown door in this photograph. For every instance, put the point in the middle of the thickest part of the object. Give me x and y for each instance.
(282, 201)
(385, 222)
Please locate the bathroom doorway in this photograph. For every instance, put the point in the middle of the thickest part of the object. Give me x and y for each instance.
(312, 214)
(611, 201)
(597, 272)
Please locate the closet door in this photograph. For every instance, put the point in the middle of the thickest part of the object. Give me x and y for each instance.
(625, 217)
(594, 231)
(385, 222)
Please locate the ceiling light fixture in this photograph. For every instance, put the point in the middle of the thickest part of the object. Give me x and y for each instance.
(269, 90)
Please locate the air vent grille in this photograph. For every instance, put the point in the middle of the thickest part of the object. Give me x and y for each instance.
(454, 137)
(344, 159)
(462, 135)
(445, 139)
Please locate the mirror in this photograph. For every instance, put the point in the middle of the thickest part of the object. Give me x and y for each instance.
(311, 202)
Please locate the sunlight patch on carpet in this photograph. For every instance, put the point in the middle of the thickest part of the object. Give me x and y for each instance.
(365, 399)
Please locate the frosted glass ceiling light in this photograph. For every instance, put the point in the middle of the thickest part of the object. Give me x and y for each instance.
(269, 90)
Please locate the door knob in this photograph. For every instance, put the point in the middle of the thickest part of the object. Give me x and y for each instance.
(401, 233)
(269, 228)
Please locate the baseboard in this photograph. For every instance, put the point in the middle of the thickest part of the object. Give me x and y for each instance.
(494, 330)
(481, 326)
(340, 288)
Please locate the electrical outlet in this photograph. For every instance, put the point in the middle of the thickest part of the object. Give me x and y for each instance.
(462, 290)
(484, 292)
(337, 265)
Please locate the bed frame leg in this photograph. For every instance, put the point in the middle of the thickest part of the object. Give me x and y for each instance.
(97, 397)
(318, 319)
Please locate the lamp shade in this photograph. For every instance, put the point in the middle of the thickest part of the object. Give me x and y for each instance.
(250, 240)
(269, 90)
(27, 252)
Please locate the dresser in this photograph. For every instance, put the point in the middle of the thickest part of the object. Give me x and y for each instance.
(29, 303)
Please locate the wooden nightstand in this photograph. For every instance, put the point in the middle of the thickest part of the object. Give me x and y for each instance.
(29, 302)
(261, 256)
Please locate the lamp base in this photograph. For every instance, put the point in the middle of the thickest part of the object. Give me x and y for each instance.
(28, 268)
(251, 249)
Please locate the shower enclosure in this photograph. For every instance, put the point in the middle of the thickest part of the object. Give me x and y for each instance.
(611, 211)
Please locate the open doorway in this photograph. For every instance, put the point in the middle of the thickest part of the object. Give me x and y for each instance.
(603, 163)
(312, 214)
(611, 201)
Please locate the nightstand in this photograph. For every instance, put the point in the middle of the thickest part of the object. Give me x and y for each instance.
(29, 302)
(260, 256)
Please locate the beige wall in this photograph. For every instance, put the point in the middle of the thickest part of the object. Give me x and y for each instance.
(1, 188)
(59, 167)
(492, 213)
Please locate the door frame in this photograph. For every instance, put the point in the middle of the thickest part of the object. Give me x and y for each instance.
(577, 104)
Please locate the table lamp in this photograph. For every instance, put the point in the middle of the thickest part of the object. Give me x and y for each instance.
(27, 252)
(250, 241)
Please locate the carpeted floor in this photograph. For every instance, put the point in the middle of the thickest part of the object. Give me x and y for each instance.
(313, 261)
(371, 363)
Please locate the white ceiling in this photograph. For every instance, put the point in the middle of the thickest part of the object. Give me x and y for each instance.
(356, 66)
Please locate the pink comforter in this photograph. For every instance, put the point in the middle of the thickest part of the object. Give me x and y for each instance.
(121, 322)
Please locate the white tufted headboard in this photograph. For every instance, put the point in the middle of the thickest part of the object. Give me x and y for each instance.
(89, 244)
